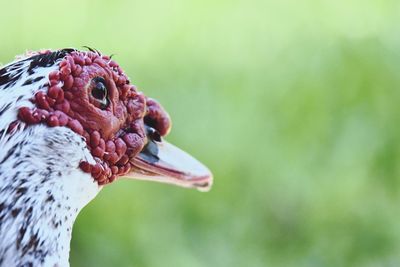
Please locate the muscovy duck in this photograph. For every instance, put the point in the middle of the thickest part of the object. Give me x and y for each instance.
(71, 122)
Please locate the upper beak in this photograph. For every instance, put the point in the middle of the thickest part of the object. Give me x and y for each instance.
(164, 162)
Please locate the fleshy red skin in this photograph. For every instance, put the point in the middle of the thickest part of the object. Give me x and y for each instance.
(113, 135)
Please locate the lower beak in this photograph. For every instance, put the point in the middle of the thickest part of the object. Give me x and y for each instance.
(163, 162)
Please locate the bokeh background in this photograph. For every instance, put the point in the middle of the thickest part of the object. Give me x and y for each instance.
(294, 106)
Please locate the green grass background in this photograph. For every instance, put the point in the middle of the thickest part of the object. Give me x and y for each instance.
(294, 106)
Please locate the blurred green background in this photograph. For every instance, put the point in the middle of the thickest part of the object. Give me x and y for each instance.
(292, 104)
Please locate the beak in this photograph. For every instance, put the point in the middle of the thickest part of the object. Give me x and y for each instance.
(163, 162)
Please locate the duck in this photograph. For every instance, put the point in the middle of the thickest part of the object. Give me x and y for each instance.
(71, 123)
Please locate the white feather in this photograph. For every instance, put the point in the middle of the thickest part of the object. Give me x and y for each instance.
(42, 188)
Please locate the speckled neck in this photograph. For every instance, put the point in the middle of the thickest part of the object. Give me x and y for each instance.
(42, 189)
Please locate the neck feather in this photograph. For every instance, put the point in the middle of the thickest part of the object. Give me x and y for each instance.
(42, 190)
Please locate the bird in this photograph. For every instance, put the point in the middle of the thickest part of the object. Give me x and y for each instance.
(71, 123)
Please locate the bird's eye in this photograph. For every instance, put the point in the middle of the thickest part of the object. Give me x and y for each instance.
(99, 92)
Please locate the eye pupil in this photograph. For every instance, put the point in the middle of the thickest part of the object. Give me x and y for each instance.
(99, 92)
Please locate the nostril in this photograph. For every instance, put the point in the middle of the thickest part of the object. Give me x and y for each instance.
(153, 134)
(150, 122)
(157, 117)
